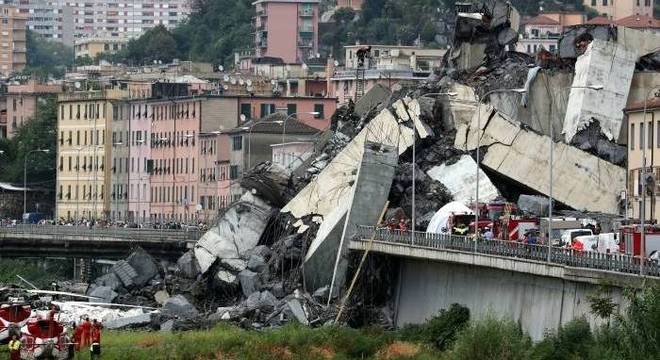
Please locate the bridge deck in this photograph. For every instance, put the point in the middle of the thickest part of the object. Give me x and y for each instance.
(46, 240)
(507, 255)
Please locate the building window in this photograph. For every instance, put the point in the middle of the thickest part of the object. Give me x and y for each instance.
(291, 109)
(649, 135)
(318, 108)
(267, 109)
(237, 143)
(632, 136)
(641, 137)
(246, 110)
(593, 2)
(233, 172)
(604, 2)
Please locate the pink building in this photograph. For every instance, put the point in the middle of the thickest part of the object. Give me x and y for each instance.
(175, 158)
(23, 101)
(286, 29)
(141, 114)
(214, 184)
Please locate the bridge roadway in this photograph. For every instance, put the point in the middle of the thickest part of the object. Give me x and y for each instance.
(82, 242)
(589, 267)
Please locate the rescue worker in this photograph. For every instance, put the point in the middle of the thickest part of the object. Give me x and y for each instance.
(488, 234)
(402, 225)
(461, 229)
(77, 336)
(86, 333)
(95, 349)
(14, 348)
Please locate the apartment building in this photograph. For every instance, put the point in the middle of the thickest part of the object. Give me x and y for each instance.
(65, 21)
(385, 65)
(23, 101)
(214, 182)
(286, 29)
(139, 156)
(539, 32)
(84, 128)
(617, 9)
(93, 46)
(643, 139)
(12, 40)
(175, 156)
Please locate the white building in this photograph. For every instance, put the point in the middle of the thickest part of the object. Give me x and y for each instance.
(539, 32)
(63, 20)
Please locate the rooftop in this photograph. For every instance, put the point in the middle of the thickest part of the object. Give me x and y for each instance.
(651, 103)
(639, 22)
(541, 20)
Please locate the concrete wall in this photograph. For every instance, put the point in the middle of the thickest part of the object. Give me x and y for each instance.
(537, 303)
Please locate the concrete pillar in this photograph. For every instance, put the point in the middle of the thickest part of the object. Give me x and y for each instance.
(327, 261)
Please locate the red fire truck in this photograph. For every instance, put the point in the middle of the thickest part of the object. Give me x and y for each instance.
(631, 236)
(505, 221)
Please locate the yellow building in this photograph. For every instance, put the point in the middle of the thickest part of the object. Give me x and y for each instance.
(636, 131)
(84, 128)
(617, 9)
(12, 40)
(96, 45)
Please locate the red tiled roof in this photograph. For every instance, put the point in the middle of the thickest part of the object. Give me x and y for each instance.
(541, 20)
(639, 22)
(600, 20)
(651, 103)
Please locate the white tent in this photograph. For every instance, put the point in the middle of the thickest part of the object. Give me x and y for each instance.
(438, 223)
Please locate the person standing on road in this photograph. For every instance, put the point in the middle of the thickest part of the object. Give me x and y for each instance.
(86, 333)
(14, 348)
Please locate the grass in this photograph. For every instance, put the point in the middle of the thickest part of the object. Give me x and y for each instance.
(289, 342)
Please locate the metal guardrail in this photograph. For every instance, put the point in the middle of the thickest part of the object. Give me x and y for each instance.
(561, 256)
(102, 233)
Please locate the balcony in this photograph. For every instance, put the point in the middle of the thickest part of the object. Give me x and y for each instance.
(306, 12)
(305, 43)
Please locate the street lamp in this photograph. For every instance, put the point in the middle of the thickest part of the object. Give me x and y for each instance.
(45, 151)
(642, 141)
(481, 99)
(315, 113)
(596, 87)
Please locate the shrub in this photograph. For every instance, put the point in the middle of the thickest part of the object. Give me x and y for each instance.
(491, 338)
(572, 341)
(440, 330)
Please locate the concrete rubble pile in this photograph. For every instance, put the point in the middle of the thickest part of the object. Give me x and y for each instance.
(281, 253)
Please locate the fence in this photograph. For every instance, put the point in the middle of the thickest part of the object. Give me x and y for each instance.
(584, 259)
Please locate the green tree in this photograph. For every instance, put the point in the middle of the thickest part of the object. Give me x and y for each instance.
(156, 44)
(46, 58)
(491, 338)
(36, 133)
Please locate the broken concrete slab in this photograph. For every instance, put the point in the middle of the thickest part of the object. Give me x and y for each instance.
(103, 292)
(333, 185)
(110, 280)
(124, 272)
(236, 265)
(188, 265)
(261, 250)
(128, 322)
(297, 311)
(249, 282)
(327, 258)
(581, 180)
(458, 109)
(167, 325)
(533, 204)
(376, 96)
(606, 64)
(256, 263)
(461, 180)
(179, 306)
(161, 296)
(237, 232)
(225, 277)
(145, 266)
